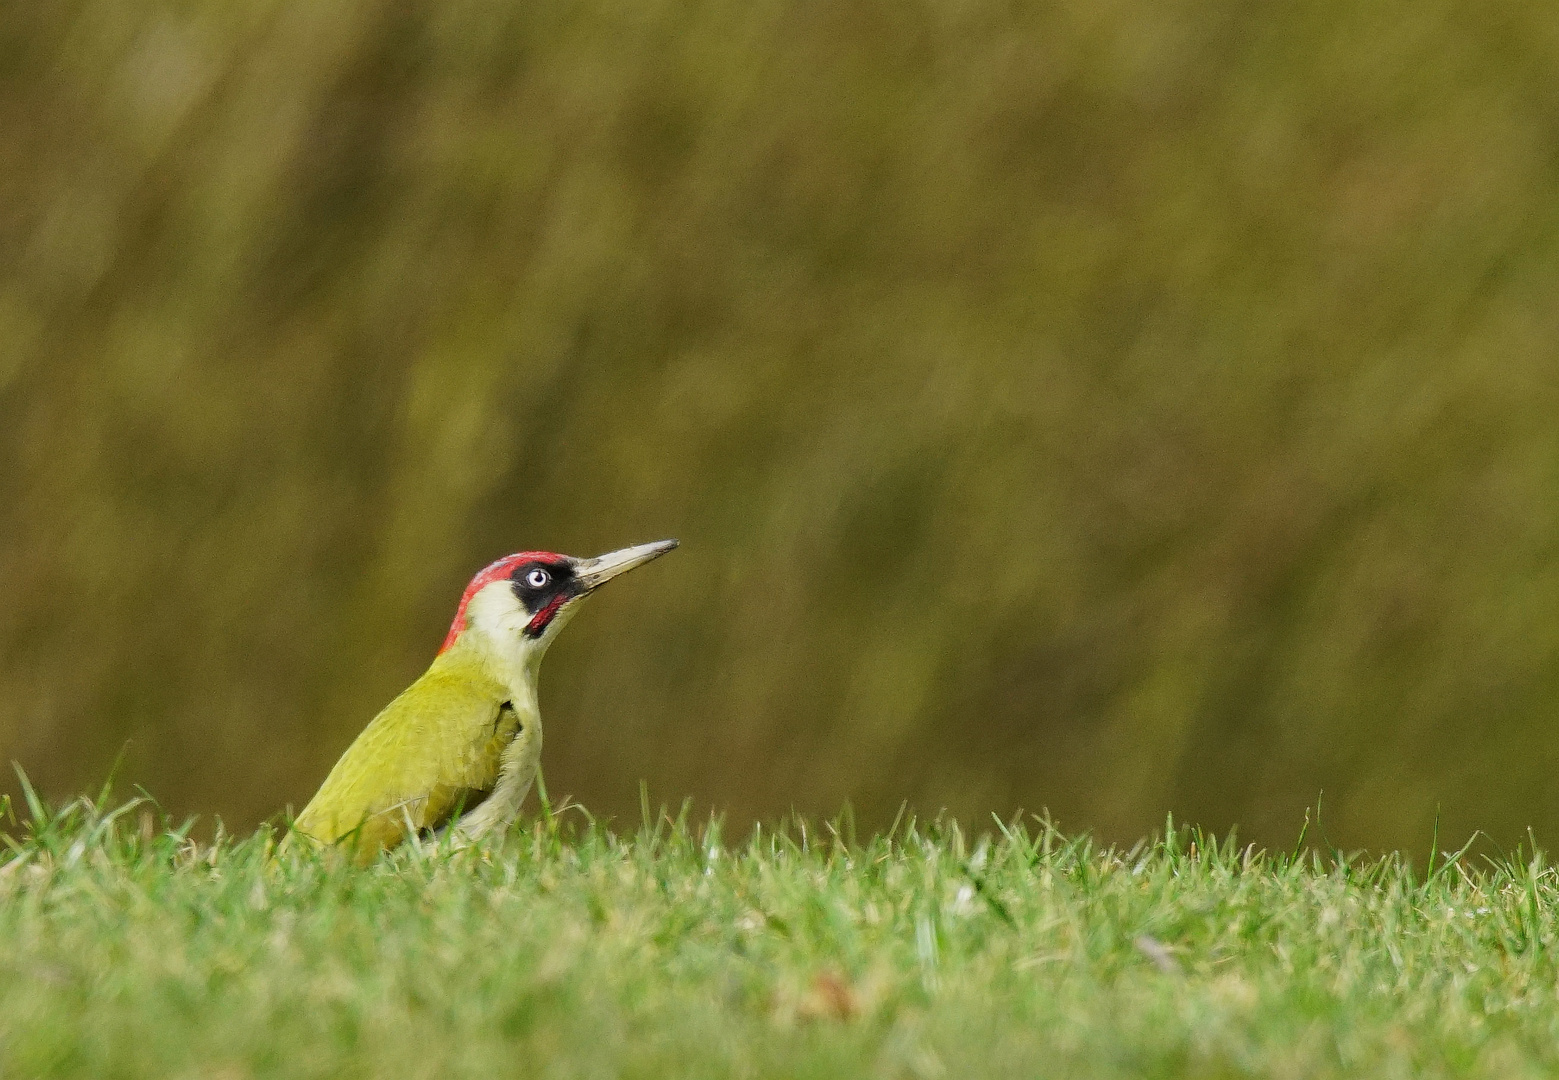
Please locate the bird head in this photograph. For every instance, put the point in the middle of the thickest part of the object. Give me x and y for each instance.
(514, 608)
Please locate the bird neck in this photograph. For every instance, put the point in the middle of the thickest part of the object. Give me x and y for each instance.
(511, 669)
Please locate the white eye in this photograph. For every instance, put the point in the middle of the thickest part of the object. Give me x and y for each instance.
(537, 579)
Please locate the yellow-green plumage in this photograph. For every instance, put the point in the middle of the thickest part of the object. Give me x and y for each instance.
(435, 749)
(466, 736)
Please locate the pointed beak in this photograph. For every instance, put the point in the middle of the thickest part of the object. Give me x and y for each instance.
(593, 573)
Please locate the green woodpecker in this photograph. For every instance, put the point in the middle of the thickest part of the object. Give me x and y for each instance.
(465, 738)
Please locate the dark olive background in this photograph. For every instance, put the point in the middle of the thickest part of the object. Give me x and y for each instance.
(1118, 407)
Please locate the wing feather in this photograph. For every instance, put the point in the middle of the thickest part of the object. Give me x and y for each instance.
(440, 739)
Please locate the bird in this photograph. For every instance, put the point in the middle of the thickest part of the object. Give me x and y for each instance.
(459, 748)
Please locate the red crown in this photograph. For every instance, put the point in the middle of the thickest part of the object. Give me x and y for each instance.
(497, 571)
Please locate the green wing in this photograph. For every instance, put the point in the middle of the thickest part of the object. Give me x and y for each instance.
(435, 746)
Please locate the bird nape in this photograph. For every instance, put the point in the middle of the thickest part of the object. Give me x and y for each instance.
(459, 747)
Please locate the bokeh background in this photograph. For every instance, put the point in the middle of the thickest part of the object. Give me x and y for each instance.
(1115, 406)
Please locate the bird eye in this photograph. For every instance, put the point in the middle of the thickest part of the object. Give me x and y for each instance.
(537, 579)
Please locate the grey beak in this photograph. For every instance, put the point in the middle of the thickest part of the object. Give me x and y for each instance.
(593, 573)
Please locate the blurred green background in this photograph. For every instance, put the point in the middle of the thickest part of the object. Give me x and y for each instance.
(1119, 406)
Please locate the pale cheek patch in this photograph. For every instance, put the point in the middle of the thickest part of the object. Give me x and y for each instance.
(495, 611)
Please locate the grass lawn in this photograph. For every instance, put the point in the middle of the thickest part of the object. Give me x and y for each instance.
(570, 950)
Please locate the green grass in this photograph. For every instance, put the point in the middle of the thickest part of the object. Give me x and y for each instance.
(571, 950)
